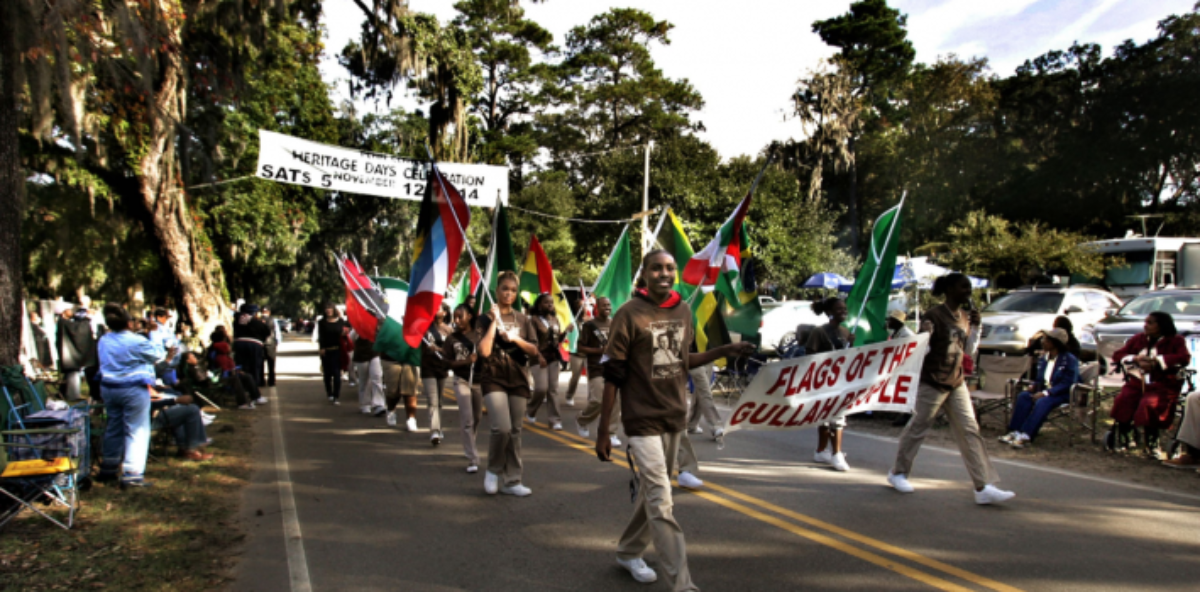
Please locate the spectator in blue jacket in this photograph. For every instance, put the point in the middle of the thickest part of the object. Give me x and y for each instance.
(127, 362)
(1057, 372)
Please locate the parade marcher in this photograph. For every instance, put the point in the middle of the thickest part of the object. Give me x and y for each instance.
(271, 344)
(126, 374)
(647, 359)
(434, 372)
(943, 386)
(702, 405)
(1153, 358)
(578, 358)
(249, 335)
(468, 369)
(76, 345)
(826, 338)
(507, 344)
(549, 360)
(328, 334)
(370, 376)
(401, 382)
(593, 339)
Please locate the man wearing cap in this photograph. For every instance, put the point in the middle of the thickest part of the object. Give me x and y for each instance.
(896, 327)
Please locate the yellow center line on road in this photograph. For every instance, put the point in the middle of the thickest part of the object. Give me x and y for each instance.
(814, 536)
(821, 524)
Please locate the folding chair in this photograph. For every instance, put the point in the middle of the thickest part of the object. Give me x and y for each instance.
(45, 465)
(1095, 392)
(998, 378)
(1076, 413)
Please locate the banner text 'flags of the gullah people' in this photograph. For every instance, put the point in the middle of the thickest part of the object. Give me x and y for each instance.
(443, 219)
(365, 304)
(501, 257)
(616, 279)
(869, 297)
(537, 277)
(389, 339)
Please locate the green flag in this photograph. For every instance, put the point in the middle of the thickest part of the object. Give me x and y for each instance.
(389, 338)
(616, 280)
(501, 257)
(869, 297)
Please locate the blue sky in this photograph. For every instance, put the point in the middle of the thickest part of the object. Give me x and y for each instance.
(745, 57)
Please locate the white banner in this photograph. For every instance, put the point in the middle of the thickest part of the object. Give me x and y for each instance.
(288, 159)
(808, 391)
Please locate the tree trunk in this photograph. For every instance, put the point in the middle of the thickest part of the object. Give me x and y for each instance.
(852, 217)
(12, 187)
(193, 264)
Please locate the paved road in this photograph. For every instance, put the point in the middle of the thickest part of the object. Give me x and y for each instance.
(380, 509)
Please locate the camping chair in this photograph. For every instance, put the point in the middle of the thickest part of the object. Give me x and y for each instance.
(998, 379)
(45, 465)
(1076, 413)
(1170, 436)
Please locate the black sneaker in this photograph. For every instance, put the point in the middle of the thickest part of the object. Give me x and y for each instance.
(1110, 441)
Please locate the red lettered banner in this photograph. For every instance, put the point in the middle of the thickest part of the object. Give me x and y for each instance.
(801, 393)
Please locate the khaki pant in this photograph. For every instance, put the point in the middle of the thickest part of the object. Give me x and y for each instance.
(595, 401)
(399, 380)
(505, 413)
(702, 399)
(961, 414)
(1189, 430)
(545, 390)
(653, 515)
(432, 388)
(577, 363)
(370, 383)
(470, 412)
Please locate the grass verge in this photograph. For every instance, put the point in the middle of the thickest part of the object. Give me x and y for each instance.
(180, 535)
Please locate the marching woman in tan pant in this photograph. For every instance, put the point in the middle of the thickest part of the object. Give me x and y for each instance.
(549, 362)
(507, 344)
(943, 385)
(463, 345)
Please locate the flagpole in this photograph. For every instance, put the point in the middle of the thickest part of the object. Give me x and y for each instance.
(453, 212)
(874, 274)
(658, 229)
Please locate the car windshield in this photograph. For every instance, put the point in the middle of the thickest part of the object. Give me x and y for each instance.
(1041, 302)
(1187, 304)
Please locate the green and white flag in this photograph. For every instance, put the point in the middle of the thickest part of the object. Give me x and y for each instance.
(869, 297)
(389, 337)
(616, 279)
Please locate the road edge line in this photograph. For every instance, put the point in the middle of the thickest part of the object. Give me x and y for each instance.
(292, 538)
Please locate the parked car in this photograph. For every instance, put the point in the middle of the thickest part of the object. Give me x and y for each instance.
(1010, 321)
(780, 322)
(1106, 336)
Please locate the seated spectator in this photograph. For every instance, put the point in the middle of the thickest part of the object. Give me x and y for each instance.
(1189, 435)
(1152, 360)
(183, 418)
(1060, 322)
(1057, 372)
(244, 388)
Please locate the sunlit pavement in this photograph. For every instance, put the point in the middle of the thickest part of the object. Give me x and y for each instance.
(378, 508)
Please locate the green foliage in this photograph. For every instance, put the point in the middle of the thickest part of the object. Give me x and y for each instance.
(872, 41)
(1014, 254)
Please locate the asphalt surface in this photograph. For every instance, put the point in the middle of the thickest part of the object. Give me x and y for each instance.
(377, 508)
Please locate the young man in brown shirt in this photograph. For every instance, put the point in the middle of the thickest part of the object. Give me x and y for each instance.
(647, 359)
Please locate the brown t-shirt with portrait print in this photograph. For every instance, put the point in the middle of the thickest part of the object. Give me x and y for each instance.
(501, 372)
(947, 344)
(548, 333)
(595, 334)
(653, 342)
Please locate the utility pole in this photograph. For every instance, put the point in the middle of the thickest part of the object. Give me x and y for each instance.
(647, 240)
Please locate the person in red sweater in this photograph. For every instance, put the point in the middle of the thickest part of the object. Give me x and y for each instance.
(1152, 359)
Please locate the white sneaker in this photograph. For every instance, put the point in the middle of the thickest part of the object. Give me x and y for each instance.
(391, 418)
(1008, 438)
(260, 401)
(557, 426)
(1020, 441)
(517, 490)
(586, 433)
(472, 468)
(435, 438)
(690, 481)
(247, 407)
(530, 419)
(698, 430)
(331, 399)
(991, 495)
(365, 409)
(638, 569)
(900, 483)
(570, 402)
(718, 433)
(615, 441)
(824, 456)
(411, 424)
(491, 483)
(337, 402)
(839, 462)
